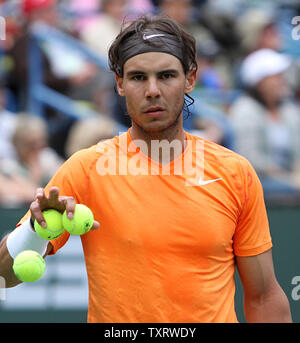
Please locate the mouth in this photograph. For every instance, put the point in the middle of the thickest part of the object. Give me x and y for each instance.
(154, 111)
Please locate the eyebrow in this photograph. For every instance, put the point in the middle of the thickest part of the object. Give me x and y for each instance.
(140, 72)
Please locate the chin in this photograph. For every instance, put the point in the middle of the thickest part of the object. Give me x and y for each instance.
(155, 128)
(159, 125)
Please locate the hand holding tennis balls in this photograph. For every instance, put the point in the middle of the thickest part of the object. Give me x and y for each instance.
(80, 224)
(29, 266)
(54, 227)
(62, 204)
(82, 221)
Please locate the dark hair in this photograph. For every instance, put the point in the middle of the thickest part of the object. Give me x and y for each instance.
(159, 23)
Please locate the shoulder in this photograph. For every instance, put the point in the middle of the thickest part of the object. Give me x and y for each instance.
(227, 162)
(215, 151)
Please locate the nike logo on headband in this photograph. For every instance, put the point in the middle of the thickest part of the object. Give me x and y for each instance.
(152, 36)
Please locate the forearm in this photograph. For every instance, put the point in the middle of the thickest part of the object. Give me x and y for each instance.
(272, 307)
(6, 262)
(22, 238)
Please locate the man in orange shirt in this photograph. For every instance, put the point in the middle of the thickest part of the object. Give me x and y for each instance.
(178, 213)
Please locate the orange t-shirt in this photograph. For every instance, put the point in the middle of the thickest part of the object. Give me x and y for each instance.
(165, 249)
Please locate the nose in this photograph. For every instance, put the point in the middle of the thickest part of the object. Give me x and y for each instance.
(152, 88)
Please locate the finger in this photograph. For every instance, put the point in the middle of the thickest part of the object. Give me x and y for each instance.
(39, 194)
(36, 213)
(53, 194)
(70, 204)
(96, 225)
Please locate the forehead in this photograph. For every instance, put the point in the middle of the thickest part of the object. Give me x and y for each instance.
(153, 61)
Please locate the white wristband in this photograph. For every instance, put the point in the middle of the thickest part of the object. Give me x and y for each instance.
(24, 238)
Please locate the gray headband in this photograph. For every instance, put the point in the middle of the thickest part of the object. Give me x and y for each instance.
(150, 41)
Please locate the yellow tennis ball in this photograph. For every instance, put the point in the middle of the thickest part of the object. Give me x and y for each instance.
(29, 266)
(81, 222)
(54, 225)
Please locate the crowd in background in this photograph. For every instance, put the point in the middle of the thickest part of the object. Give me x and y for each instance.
(247, 92)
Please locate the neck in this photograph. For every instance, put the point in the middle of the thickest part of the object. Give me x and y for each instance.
(173, 137)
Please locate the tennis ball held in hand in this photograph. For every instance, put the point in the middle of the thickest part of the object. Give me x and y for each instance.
(29, 266)
(54, 227)
(81, 222)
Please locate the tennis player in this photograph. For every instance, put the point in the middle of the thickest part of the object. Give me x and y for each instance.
(173, 225)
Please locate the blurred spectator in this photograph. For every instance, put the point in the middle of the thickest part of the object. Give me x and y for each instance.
(32, 10)
(34, 165)
(64, 70)
(84, 12)
(7, 127)
(183, 11)
(293, 79)
(17, 79)
(90, 11)
(208, 75)
(267, 123)
(98, 128)
(12, 31)
(139, 7)
(257, 29)
(180, 10)
(100, 33)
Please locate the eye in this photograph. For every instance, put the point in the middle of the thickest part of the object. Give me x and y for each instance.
(138, 77)
(166, 76)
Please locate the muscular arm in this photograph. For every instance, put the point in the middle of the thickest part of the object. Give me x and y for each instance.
(264, 300)
(41, 202)
(6, 263)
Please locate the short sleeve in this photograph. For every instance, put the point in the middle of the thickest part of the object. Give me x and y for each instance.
(252, 235)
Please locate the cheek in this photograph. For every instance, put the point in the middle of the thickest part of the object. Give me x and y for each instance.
(132, 103)
(177, 99)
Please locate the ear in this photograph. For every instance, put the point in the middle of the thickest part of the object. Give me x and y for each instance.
(190, 81)
(119, 82)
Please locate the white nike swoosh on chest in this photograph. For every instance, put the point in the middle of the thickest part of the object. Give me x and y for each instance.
(203, 183)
